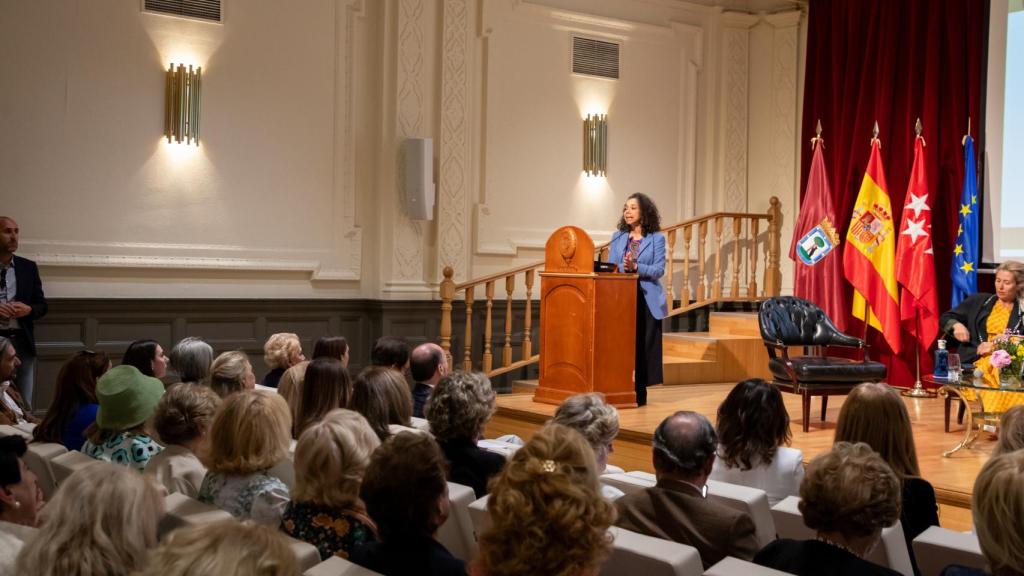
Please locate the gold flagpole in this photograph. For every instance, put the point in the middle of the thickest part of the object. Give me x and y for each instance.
(918, 391)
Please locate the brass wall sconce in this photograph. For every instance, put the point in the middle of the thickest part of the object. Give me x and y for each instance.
(595, 144)
(182, 104)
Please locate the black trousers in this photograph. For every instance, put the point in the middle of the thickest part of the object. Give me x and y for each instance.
(648, 370)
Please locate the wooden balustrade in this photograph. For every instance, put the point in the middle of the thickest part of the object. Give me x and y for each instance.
(742, 287)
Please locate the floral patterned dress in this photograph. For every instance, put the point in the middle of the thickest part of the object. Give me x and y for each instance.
(125, 449)
(259, 497)
(334, 531)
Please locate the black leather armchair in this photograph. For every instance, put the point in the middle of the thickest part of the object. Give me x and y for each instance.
(789, 321)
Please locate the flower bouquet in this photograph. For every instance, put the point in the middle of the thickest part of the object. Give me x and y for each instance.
(1008, 357)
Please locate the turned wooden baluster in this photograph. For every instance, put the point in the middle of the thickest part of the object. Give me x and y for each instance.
(506, 351)
(528, 320)
(447, 295)
(603, 254)
(737, 227)
(702, 236)
(488, 357)
(755, 223)
(687, 234)
(670, 261)
(467, 357)
(773, 271)
(716, 284)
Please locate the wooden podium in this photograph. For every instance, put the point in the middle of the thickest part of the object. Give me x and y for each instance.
(588, 322)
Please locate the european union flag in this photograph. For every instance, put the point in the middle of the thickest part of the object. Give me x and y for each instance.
(965, 252)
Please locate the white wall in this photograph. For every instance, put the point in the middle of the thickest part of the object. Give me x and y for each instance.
(295, 188)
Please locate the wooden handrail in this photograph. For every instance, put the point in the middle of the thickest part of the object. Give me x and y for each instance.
(717, 288)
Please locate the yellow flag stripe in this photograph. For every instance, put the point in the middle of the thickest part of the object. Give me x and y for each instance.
(883, 258)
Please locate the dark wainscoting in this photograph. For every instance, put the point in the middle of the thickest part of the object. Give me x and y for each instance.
(110, 325)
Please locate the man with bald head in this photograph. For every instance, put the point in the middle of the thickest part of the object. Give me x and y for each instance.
(428, 365)
(21, 303)
(679, 507)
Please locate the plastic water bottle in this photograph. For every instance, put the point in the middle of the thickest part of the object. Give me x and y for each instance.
(941, 361)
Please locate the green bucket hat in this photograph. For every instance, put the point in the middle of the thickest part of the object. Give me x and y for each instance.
(127, 397)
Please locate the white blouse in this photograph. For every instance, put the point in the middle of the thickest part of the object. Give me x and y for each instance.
(779, 479)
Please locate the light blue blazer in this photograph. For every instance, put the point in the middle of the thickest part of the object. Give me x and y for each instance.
(650, 267)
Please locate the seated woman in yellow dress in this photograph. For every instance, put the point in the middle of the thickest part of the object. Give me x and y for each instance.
(982, 318)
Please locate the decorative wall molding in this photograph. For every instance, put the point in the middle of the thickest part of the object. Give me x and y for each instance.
(407, 259)
(691, 59)
(455, 156)
(735, 120)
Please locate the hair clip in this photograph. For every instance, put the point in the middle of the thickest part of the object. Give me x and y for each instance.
(548, 466)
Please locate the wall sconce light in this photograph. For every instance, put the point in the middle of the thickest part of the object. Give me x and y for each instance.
(595, 144)
(182, 104)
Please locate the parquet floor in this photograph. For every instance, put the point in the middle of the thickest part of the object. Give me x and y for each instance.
(953, 478)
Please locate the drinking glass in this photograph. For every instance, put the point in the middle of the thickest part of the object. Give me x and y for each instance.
(954, 367)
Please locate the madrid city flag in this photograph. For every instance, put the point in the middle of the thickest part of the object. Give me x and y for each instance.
(915, 261)
(869, 260)
(817, 269)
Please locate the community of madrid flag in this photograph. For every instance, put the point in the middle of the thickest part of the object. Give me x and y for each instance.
(965, 251)
(814, 250)
(869, 259)
(915, 261)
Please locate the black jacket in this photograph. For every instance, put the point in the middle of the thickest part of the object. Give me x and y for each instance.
(30, 291)
(973, 312)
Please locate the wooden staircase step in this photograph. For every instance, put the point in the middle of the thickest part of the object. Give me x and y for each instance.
(520, 386)
(735, 323)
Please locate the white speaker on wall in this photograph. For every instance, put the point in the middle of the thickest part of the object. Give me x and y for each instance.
(419, 178)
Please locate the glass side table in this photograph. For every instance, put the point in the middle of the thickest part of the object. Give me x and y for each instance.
(970, 389)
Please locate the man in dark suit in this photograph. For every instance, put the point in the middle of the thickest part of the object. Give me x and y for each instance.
(21, 303)
(678, 508)
(428, 365)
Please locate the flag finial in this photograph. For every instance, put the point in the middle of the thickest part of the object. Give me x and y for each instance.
(964, 141)
(874, 133)
(918, 128)
(817, 130)
(817, 140)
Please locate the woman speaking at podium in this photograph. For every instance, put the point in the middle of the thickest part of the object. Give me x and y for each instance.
(638, 247)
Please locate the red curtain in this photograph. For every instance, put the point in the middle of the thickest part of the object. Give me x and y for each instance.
(895, 61)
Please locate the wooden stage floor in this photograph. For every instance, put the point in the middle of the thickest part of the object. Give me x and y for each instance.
(953, 477)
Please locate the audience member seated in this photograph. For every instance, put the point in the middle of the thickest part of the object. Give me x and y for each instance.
(122, 432)
(325, 387)
(148, 356)
(290, 387)
(427, 365)
(390, 352)
(225, 548)
(677, 507)
(231, 372)
(191, 359)
(875, 414)
(20, 501)
(598, 422)
(382, 396)
(251, 433)
(332, 347)
(847, 496)
(546, 514)
(13, 409)
(281, 352)
(407, 496)
(330, 460)
(998, 510)
(753, 428)
(102, 522)
(74, 402)
(1011, 431)
(458, 408)
(182, 422)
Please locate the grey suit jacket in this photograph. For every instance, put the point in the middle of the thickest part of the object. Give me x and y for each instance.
(676, 511)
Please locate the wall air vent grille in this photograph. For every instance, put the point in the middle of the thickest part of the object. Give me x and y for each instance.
(202, 9)
(595, 57)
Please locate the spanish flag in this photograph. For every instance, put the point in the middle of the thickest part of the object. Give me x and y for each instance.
(869, 261)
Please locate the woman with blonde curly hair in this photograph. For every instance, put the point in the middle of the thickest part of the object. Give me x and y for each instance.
(598, 422)
(330, 460)
(102, 522)
(847, 496)
(281, 351)
(182, 421)
(546, 513)
(458, 408)
(251, 433)
(225, 548)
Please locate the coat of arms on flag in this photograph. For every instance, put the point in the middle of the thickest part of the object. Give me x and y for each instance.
(817, 243)
(870, 227)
